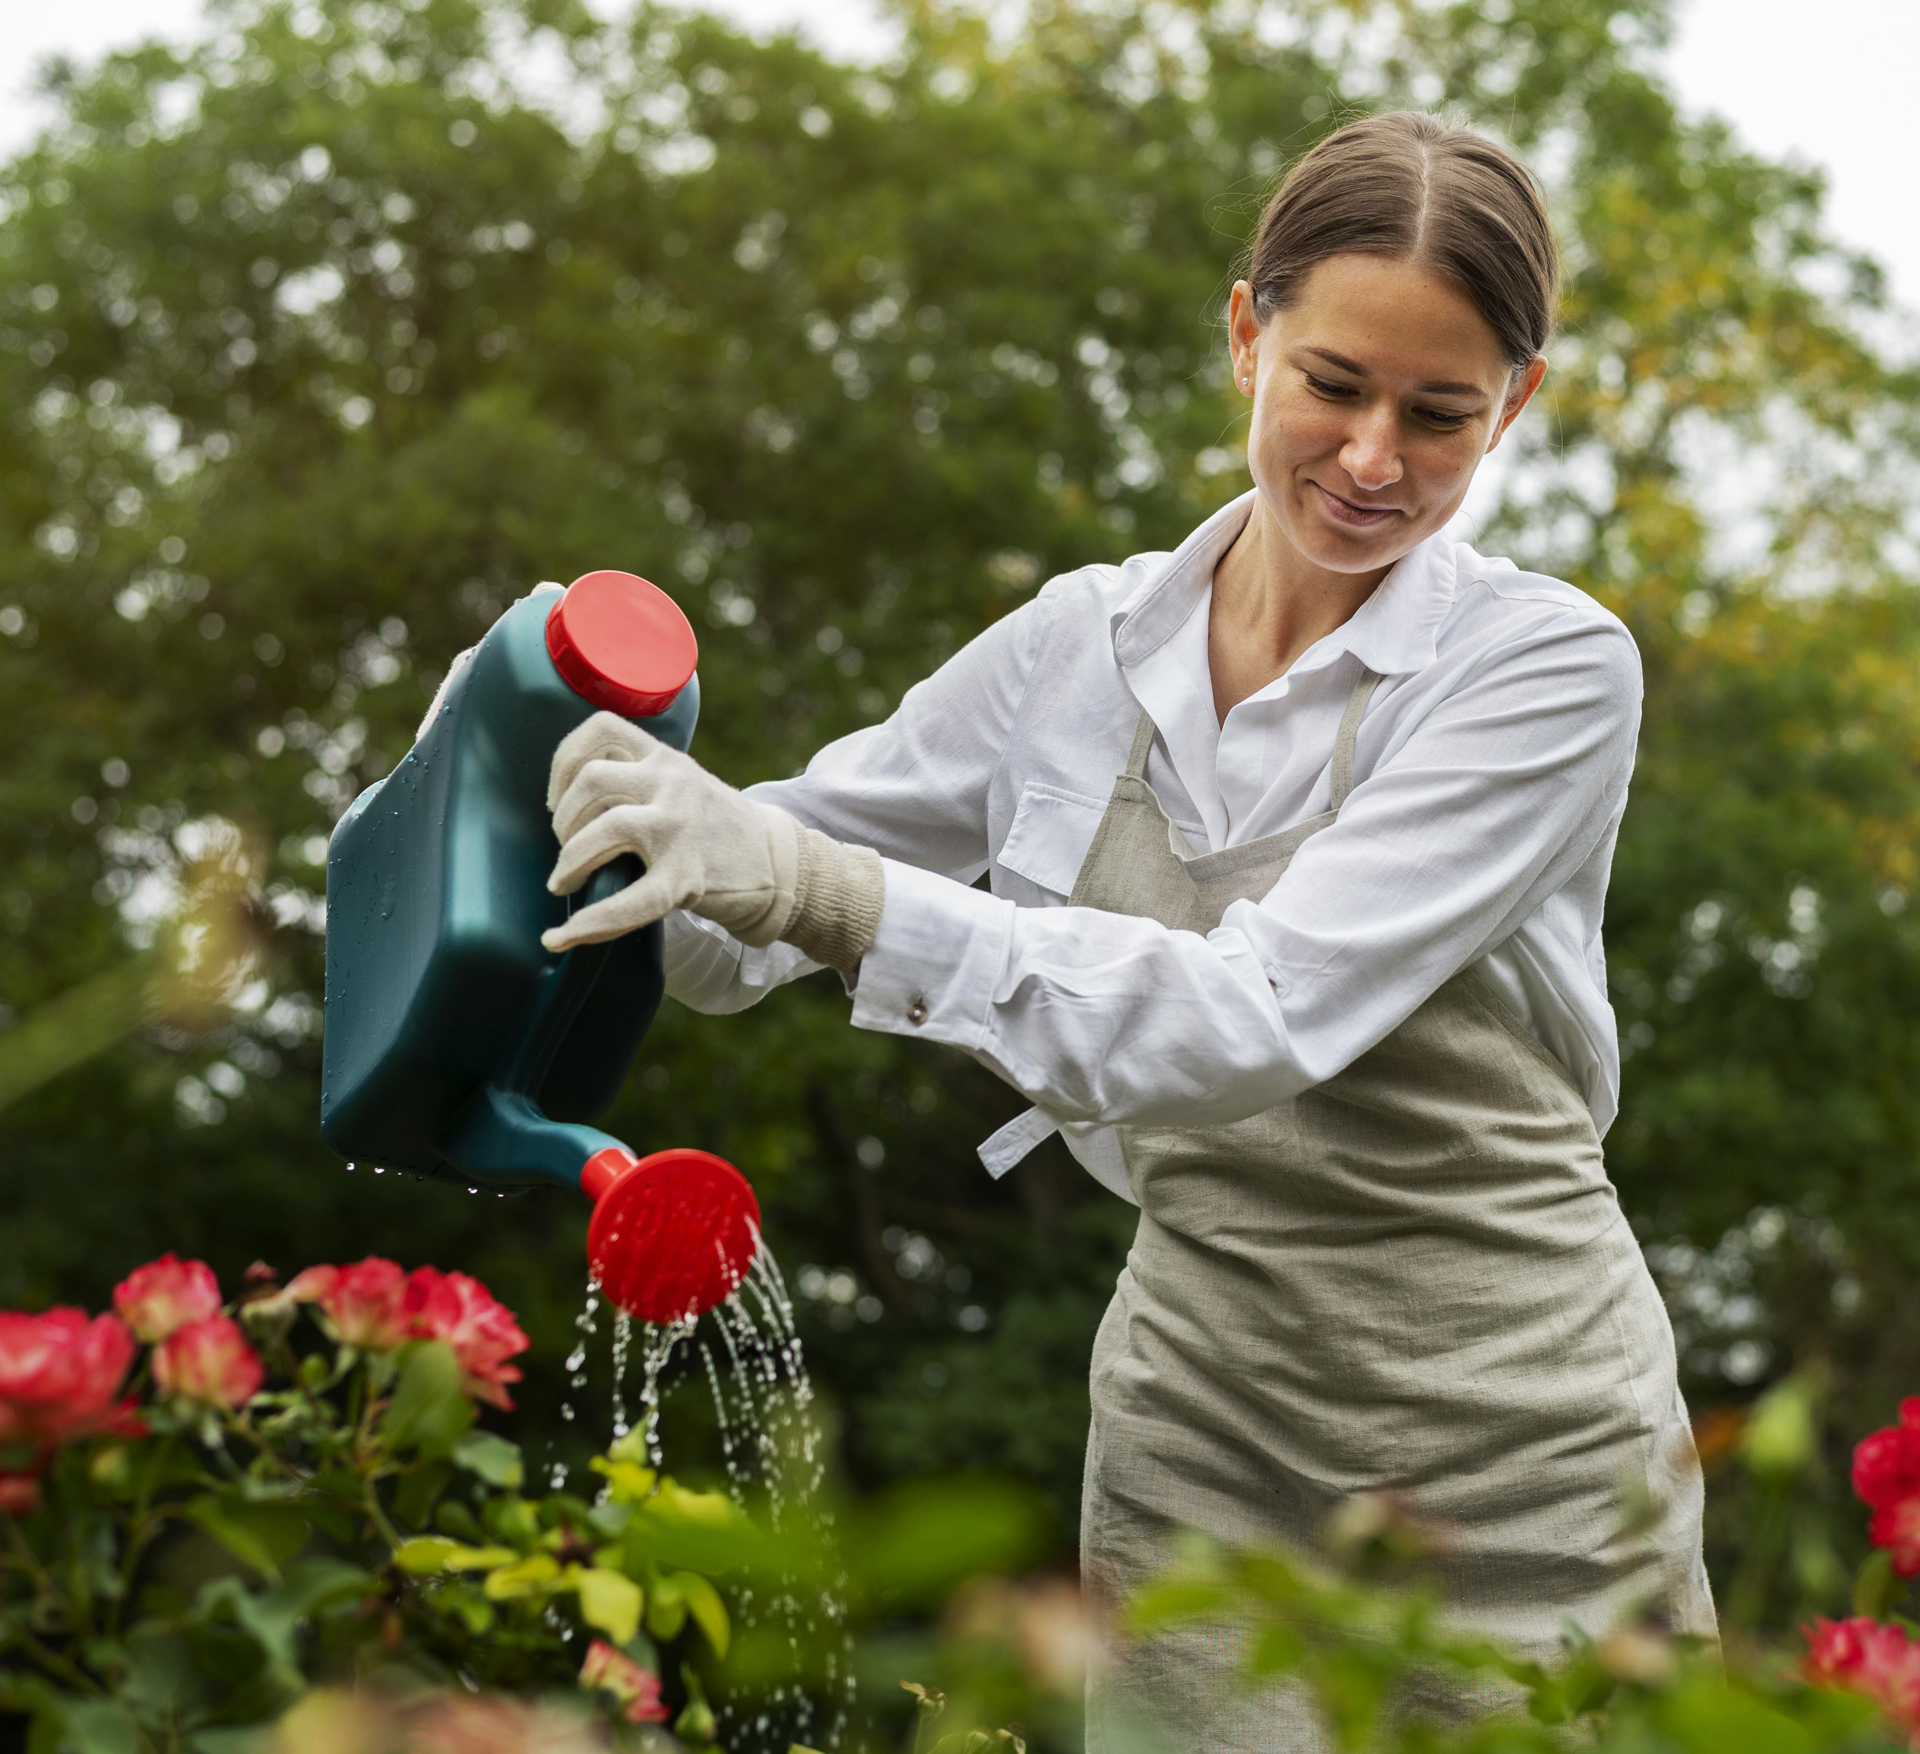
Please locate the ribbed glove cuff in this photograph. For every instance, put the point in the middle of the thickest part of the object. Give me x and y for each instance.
(837, 901)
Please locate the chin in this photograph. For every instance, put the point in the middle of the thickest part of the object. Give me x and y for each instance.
(1341, 550)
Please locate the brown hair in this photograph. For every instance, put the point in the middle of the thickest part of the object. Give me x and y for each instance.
(1410, 186)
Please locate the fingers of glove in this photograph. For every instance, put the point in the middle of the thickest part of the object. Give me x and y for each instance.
(653, 897)
(630, 828)
(604, 737)
(602, 786)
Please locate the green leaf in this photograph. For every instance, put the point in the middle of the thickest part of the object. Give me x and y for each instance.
(271, 1619)
(428, 1555)
(708, 1610)
(161, 1674)
(610, 1601)
(1875, 1586)
(536, 1575)
(428, 1411)
(265, 1536)
(666, 1608)
(1709, 1717)
(98, 1726)
(492, 1457)
(418, 1489)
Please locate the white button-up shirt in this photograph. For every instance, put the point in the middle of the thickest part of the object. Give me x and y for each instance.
(1490, 775)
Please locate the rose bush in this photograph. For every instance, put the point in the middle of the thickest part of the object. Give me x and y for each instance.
(197, 1535)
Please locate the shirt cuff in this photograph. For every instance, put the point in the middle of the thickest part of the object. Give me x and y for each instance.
(936, 961)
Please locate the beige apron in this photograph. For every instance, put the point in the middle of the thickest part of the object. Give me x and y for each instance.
(1415, 1277)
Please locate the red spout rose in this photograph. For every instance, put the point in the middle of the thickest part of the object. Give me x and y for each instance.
(480, 1329)
(636, 1687)
(1886, 1474)
(165, 1295)
(209, 1361)
(59, 1375)
(1882, 1663)
(365, 1302)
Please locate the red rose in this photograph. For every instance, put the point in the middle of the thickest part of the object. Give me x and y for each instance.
(1886, 1475)
(209, 1361)
(59, 1374)
(480, 1329)
(636, 1687)
(165, 1295)
(1882, 1663)
(366, 1302)
(19, 1494)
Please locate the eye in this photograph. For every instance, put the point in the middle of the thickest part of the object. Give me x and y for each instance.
(1446, 419)
(1325, 387)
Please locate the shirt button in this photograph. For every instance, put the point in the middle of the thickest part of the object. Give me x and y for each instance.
(917, 1012)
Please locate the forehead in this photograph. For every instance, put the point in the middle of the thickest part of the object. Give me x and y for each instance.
(1400, 320)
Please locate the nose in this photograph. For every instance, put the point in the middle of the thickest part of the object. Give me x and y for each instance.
(1371, 455)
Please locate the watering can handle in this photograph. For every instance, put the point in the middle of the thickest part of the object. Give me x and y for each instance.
(503, 1129)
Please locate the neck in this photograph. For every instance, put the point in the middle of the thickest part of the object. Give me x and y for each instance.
(1270, 604)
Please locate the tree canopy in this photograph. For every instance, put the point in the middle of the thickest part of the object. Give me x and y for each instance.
(323, 340)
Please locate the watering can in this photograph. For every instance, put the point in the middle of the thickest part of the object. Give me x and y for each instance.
(456, 1046)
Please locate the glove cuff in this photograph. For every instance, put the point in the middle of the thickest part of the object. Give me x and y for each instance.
(837, 901)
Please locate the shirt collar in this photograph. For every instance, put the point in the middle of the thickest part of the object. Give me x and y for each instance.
(1394, 632)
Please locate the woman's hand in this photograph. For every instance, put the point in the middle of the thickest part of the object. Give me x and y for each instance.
(747, 866)
(616, 790)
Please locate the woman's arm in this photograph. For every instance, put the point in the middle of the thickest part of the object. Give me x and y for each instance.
(914, 788)
(1487, 806)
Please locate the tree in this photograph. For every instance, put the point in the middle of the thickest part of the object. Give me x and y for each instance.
(332, 335)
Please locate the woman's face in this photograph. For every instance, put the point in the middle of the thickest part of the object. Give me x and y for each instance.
(1375, 395)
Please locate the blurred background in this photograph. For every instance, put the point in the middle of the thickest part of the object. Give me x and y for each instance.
(328, 329)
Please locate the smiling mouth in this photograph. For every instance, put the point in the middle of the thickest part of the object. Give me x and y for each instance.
(1355, 517)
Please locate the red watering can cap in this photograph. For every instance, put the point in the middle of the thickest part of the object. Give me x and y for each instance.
(622, 643)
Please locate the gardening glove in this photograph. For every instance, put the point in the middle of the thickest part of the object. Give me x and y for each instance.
(747, 866)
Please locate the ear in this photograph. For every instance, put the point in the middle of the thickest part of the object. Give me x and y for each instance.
(1518, 396)
(1243, 333)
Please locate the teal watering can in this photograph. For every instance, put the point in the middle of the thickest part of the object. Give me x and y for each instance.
(456, 1046)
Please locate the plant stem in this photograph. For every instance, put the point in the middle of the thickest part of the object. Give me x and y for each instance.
(55, 1664)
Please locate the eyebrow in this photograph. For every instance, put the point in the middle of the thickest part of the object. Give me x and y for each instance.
(1342, 363)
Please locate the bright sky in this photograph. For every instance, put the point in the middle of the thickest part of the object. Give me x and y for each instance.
(1828, 85)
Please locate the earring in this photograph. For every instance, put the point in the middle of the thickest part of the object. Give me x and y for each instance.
(1244, 382)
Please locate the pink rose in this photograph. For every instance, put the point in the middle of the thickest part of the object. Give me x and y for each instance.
(59, 1375)
(1886, 1475)
(166, 1294)
(636, 1687)
(481, 1330)
(209, 1361)
(366, 1302)
(1882, 1663)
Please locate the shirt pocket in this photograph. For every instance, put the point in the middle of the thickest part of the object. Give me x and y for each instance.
(1048, 839)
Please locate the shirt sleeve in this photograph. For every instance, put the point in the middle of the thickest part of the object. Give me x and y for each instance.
(914, 788)
(1478, 813)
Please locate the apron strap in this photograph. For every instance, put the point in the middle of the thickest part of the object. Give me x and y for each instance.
(1142, 742)
(1349, 730)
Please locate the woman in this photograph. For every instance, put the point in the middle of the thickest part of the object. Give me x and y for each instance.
(1316, 980)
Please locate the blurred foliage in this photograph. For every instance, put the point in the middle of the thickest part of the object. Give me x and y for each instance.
(323, 340)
